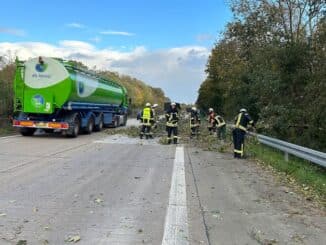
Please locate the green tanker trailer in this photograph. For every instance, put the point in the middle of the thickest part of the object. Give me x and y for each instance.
(56, 95)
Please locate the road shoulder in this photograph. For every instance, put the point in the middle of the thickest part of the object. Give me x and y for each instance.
(243, 204)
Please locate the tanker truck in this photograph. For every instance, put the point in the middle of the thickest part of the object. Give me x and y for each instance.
(58, 96)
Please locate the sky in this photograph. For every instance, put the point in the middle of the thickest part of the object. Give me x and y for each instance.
(164, 43)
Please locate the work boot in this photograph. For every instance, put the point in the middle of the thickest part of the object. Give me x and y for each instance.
(175, 141)
(237, 155)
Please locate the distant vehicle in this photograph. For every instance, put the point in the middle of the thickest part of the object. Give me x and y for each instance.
(53, 94)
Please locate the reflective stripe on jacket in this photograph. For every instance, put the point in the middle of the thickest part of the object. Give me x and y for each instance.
(220, 121)
(172, 118)
(242, 120)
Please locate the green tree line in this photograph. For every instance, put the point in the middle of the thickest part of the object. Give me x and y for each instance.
(6, 92)
(271, 59)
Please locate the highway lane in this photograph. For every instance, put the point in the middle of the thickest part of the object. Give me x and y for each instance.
(117, 190)
(52, 188)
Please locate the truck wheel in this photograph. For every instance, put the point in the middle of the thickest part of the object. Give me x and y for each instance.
(90, 126)
(100, 124)
(116, 122)
(74, 126)
(27, 131)
(125, 117)
(48, 131)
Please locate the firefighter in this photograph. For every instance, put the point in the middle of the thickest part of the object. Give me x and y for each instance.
(221, 127)
(194, 122)
(146, 118)
(241, 122)
(172, 119)
(211, 121)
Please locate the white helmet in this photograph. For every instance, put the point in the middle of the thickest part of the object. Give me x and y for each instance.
(210, 109)
(155, 105)
(194, 108)
(148, 104)
(173, 103)
(243, 110)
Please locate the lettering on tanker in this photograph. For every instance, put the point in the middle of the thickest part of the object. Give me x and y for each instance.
(44, 75)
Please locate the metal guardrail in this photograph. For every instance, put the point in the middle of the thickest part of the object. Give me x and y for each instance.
(296, 150)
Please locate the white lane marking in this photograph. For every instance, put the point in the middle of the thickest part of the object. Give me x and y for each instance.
(176, 220)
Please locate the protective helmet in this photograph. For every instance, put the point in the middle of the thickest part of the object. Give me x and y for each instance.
(148, 104)
(243, 110)
(173, 103)
(194, 108)
(210, 109)
(155, 105)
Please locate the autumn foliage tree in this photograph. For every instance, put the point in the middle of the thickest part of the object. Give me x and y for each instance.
(139, 92)
(271, 59)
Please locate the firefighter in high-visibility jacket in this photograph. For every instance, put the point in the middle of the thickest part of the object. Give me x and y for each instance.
(172, 119)
(194, 122)
(147, 118)
(221, 127)
(242, 120)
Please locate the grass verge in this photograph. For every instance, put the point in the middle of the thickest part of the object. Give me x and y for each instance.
(310, 177)
(7, 129)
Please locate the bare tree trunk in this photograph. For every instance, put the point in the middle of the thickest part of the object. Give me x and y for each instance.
(301, 12)
(290, 10)
(282, 15)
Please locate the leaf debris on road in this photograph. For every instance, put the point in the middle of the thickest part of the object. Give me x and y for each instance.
(22, 242)
(75, 238)
(98, 200)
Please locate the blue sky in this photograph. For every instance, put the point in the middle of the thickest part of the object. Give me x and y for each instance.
(164, 43)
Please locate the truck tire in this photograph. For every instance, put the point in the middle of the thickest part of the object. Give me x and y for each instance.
(74, 126)
(116, 122)
(27, 131)
(90, 126)
(125, 117)
(48, 131)
(100, 124)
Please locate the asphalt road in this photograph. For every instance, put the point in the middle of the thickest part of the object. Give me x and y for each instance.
(100, 189)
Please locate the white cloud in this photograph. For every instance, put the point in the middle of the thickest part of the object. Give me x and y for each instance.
(12, 31)
(76, 25)
(178, 71)
(76, 45)
(96, 39)
(204, 37)
(119, 33)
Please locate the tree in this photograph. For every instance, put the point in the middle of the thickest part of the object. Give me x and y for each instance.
(271, 59)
